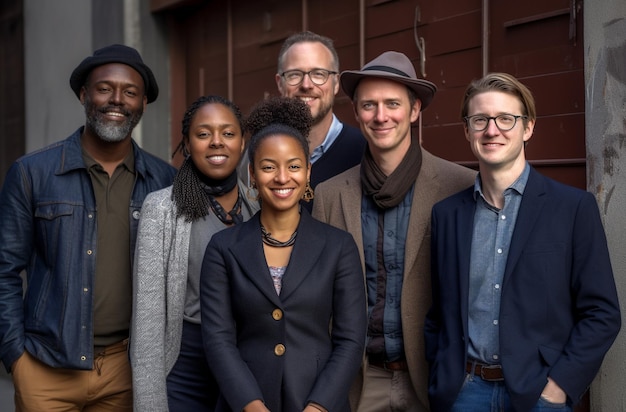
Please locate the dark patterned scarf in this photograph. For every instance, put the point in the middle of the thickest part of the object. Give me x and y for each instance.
(388, 191)
(194, 194)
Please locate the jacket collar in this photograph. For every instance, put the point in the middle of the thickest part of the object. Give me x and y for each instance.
(248, 251)
(426, 192)
(72, 155)
(533, 201)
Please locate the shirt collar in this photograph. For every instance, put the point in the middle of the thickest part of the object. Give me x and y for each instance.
(333, 132)
(518, 185)
(128, 162)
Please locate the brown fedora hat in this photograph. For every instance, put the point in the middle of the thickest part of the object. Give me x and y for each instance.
(393, 66)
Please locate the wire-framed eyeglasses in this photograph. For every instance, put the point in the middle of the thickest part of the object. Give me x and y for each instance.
(317, 76)
(504, 122)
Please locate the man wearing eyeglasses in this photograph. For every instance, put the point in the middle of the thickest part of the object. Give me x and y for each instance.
(308, 68)
(524, 300)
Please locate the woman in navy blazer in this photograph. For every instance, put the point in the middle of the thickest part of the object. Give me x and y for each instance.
(282, 296)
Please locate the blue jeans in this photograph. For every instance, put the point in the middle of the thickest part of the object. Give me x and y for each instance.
(478, 395)
(191, 385)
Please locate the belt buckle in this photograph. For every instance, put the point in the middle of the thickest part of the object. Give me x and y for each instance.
(490, 367)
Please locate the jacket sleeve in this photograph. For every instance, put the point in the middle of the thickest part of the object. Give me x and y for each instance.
(237, 384)
(17, 228)
(349, 329)
(433, 316)
(596, 308)
(148, 324)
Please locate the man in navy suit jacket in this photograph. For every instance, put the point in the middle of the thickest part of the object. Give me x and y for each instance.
(524, 301)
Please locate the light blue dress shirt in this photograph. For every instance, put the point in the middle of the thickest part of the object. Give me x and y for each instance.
(331, 136)
(491, 240)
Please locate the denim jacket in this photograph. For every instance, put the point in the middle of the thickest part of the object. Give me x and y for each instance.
(48, 228)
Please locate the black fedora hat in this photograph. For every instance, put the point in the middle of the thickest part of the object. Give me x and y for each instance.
(394, 66)
(115, 53)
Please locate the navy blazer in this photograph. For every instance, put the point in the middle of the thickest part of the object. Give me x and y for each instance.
(559, 310)
(280, 349)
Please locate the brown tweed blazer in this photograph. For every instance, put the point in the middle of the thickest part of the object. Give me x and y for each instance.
(338, 202)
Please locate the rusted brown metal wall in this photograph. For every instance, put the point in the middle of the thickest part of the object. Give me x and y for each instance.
(230, 48)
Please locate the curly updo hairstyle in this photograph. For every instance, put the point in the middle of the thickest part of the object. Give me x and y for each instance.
(279, 115)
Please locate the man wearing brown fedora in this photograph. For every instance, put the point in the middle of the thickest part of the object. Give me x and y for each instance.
(385, 203)
(69, 220)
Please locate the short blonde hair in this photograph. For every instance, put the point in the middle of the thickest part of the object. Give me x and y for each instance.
(505, 83)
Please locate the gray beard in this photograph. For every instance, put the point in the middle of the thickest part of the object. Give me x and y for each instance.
(108, 131)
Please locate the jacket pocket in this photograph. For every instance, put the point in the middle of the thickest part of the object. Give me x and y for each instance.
(54, 227)
(56, 238)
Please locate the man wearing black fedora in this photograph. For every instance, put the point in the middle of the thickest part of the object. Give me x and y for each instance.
(69, 220)
(385, 203)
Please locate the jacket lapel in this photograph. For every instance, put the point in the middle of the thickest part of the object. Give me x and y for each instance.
(350, 204)
(425, 193)
(306, 252)
(464, 224)
(248, 252)
(533, 201)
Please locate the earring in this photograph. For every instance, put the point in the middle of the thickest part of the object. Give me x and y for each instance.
(252, 193)
(308, 193)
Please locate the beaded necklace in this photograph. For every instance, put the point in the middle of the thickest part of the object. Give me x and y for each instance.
(270, 241)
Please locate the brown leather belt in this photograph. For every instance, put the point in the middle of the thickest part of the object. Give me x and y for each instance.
(490, 373)
(390, 366)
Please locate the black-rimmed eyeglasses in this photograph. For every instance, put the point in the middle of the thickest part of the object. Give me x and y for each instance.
(317, 76)
(504, 122)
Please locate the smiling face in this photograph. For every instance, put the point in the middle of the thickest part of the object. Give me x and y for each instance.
(496, 149)
(307, 56)
(215, 141)
(114, 101)
(384, 112)
(281, 172)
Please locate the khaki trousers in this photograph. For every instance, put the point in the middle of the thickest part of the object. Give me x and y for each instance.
(385, 390)
(105, 388)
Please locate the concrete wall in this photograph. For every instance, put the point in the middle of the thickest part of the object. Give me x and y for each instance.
(605, 80)
(59, 35)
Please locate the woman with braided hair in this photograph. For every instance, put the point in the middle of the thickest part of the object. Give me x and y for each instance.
(170, 371)
(282, 295)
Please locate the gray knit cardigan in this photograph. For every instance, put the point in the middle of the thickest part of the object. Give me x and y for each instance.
(159, 287)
